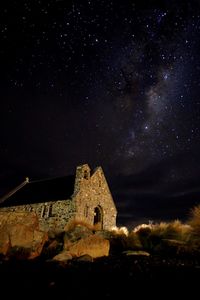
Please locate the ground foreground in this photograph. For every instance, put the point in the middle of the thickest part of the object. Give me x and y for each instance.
(104, 278)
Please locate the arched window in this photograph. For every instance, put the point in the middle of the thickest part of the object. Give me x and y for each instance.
(98, 217)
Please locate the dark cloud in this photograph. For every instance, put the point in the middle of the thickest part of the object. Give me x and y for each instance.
(163, 191)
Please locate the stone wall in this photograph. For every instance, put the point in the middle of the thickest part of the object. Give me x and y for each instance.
(92, 191)
(91, 197)
(52, 215)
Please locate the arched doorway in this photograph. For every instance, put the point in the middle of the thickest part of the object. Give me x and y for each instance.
(98, 217)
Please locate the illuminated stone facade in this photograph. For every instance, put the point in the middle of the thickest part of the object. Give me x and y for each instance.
(91, 202)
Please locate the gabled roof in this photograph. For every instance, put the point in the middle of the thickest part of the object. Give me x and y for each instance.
(59, 188)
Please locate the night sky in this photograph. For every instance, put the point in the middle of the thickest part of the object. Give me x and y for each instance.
(110, 83)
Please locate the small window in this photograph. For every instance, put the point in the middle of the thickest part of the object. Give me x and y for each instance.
(43, 211)
(50, 210)
(86, 211)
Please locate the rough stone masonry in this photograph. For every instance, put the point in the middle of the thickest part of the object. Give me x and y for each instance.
(83, 197)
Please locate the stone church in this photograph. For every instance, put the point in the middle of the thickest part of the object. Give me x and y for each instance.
(84, 196)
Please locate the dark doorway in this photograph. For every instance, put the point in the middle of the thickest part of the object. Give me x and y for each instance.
(98, 217)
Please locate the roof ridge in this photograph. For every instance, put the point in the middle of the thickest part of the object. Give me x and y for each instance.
(57, 187)
(13, 191)
(49, 178)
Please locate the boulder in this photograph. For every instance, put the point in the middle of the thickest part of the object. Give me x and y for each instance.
(4, 241)
(173, 243)
(51, 249)
(63, 256)
(77, 233)
(26, 240)
(105, 234)
(30, 219)
(20, 235)
(85, 258)
(137, 253)
(39, 239)
(94, 246)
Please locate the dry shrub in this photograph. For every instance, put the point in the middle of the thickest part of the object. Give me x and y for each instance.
(143, 233)
(72, 224)
(194, 222)
(118, 239)
(173, 230)
(133, 241)
(153, 236)
(171, 237)
(142, 226)
(120, 230)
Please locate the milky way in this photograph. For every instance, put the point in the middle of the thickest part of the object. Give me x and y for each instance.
(111, 83)
(165, 113)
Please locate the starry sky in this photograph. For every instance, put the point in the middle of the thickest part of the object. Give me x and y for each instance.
(110, 83)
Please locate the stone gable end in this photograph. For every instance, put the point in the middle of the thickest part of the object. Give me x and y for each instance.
(91, 202)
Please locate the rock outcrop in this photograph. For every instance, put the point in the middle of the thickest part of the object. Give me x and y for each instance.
(20, 235)
(80, 241)
(29, 219)
(4, 241)
(93, 246)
